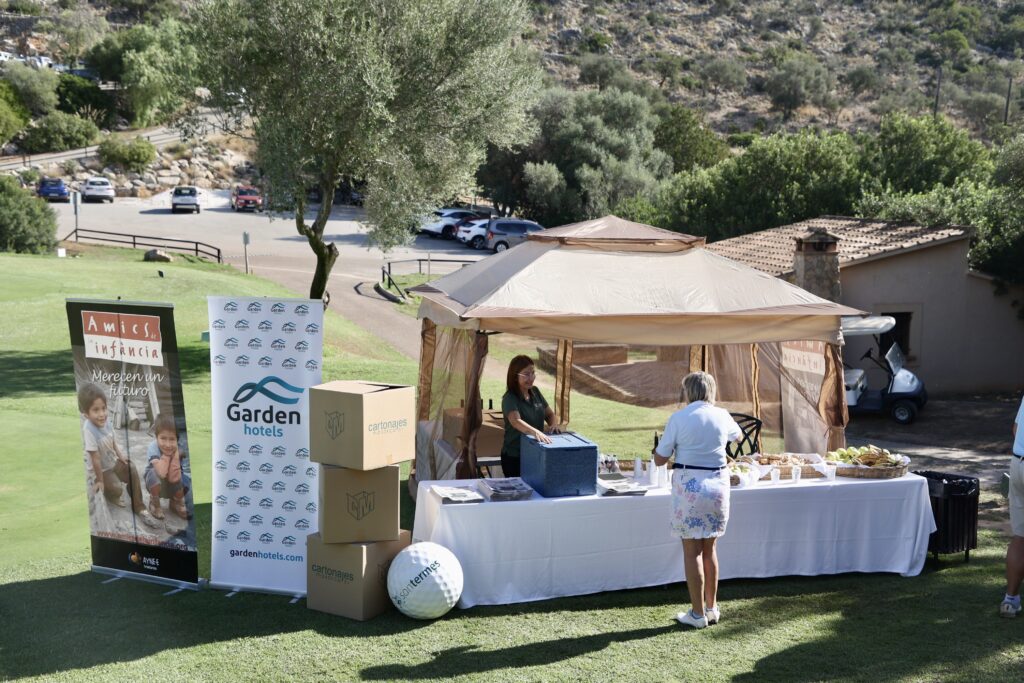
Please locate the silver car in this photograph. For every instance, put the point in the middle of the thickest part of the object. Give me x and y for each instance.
(503, 233)
(98, 190)
(185, 198)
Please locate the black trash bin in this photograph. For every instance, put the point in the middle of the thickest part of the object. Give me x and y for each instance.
(955, 506)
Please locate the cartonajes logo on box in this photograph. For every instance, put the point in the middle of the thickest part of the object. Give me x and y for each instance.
(221, 465)
(266, 538)
(302, 309)
(126, 337)
(335, 424)
(387, 426)
(242, 361)
(255, 343)
(219, 359)
(263, 419)
(312, 328)
(221, 500)
(231, 343)
(277, 308)
(233, 518)
(243, 536)
(256, 450)
(331, 574)
(288, 470)
(278, 344)
(310, 471)
(278, 451)
(288, 541)
(289, 363)
(221, 535)
(288, 327)
(278, 522)
(302, 346)
(266, 503)
(256, 485)
(231, 307)
(254, 307)
(278, 487)
(256, 520)
(218, 324)
(265, 326)
(302, 453)
(242, 325)
(242, 466)
(266, 468)
(312, 364)
(310, 507)
(233, 483)
(302, 488)
(302, 524)
(288, 505)
(243, 501)
(231, 449)
(360, 505)
(265, 361)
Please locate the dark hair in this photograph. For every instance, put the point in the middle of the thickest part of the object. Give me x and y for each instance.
(87, 395)
(164, 423)
(515, 366)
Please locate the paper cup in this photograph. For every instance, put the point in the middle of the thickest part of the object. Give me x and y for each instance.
(775, 475)
(830, 472)
(795, 473)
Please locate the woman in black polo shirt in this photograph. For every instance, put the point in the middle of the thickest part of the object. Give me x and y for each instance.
(525, 412)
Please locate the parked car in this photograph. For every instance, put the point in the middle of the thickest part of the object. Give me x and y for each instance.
(246, 197)
(503, 233)
(98, 189)
(472, 232)
(185, 198)
(442, 222)
(53, 190)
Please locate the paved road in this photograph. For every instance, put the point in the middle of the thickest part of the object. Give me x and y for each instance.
(278, 253)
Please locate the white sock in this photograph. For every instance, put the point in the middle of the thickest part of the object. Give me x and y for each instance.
(1012, 599)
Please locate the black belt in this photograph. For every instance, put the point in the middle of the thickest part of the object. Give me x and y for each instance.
(1019, 457)
(677, 466)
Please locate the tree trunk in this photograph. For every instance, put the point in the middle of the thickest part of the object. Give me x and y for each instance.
(326, 252)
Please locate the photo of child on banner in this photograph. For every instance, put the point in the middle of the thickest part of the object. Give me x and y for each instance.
(135, 444)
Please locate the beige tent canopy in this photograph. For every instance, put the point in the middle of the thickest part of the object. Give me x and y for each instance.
(612, 280)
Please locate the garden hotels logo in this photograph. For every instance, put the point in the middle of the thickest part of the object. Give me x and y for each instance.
(265, 419)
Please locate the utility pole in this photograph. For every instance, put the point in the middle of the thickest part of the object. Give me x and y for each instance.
(1006, 109)
(938, 89)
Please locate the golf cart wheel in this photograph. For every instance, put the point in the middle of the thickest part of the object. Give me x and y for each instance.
(197, 209)
(500, 247)
(903, 411)
(477, 242)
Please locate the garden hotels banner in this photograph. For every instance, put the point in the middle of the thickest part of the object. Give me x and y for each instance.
(134, 441)
(265, 354)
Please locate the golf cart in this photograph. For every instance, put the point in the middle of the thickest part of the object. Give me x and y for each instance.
(904, 394)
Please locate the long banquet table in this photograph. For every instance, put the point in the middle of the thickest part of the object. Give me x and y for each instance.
(553, 547)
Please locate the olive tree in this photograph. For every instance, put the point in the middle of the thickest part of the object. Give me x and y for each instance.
(402, 95)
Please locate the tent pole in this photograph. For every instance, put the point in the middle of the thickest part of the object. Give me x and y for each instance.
(563, 378)
(832, 402)
(428, 341)
(755, 376)
(466, 467)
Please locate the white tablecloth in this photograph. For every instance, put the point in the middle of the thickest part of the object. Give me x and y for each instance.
(552, 547)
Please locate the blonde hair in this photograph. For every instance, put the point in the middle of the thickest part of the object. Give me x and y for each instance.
(699, 386)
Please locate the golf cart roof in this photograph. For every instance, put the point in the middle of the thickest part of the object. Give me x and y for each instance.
(855, 326)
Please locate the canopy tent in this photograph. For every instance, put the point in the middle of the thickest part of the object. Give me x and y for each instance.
(611, 280)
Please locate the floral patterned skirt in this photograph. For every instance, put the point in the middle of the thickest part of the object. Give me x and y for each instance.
(700, 503)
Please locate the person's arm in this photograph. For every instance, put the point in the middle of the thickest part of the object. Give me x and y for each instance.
(665, 449)
(520, 425)
(161, 465)
(551, 417)
(94, 457)
(174, 467)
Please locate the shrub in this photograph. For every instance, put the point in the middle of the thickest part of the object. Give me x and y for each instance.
(799, 80)
(723, 73)
(29, 7)
(741, 139)
(683, 135)
(36, 88)
(57, 132)
(10, 123)
(27, 224)
(76, 95)
(133, 156)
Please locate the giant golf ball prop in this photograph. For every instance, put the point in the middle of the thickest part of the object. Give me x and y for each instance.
(425, 581)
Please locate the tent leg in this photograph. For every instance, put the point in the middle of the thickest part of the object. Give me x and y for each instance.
(563, 378)
(473, 415)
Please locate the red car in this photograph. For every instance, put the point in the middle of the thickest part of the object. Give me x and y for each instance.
(246, 197)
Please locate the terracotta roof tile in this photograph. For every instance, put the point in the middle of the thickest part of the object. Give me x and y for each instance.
(771, 251)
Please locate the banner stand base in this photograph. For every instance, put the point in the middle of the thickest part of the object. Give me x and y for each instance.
(118, 574)
(233, 589)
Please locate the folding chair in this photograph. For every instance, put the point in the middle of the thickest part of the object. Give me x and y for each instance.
(748, 445)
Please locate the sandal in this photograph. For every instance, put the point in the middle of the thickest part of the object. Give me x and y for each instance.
(178, 507)
(154, 507)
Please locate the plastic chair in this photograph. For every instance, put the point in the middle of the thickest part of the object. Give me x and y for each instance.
(748, 445)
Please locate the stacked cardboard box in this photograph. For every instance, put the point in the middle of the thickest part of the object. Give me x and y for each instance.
(358, 432)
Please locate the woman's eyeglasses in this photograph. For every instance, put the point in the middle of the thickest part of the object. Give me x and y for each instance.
(528, 373)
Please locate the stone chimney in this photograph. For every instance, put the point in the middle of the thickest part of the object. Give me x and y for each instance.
(816, 264)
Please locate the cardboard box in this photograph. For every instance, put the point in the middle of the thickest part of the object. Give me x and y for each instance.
(358, 505)
(350, 579)
(362, 425)
(488, 440)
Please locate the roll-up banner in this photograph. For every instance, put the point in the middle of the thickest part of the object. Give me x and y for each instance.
(265, 354)
(135, 444)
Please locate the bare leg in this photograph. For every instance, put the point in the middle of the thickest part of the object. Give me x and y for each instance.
(710, 557)
(694, 573)
(1014, 565)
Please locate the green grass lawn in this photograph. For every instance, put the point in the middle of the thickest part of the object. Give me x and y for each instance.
(58, 621)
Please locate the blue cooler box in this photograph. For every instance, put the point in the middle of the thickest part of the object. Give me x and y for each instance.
(565, 467)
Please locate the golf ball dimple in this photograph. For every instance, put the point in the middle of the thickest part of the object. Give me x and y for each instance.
(425, 580)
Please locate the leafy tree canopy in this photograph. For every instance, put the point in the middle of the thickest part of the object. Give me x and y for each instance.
(27, 224)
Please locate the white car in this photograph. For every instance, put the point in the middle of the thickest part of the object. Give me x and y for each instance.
(97, 189)
(185, 198)
(442, 222)
(474, 233)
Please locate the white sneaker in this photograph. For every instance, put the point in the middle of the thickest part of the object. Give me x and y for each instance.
(712, 614)
(690, 619)
(1009, 610)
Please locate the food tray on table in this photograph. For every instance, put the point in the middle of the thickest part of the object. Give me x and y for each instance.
(810, 464)
(868, 462)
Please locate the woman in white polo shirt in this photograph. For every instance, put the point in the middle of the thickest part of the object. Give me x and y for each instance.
(695, 439)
